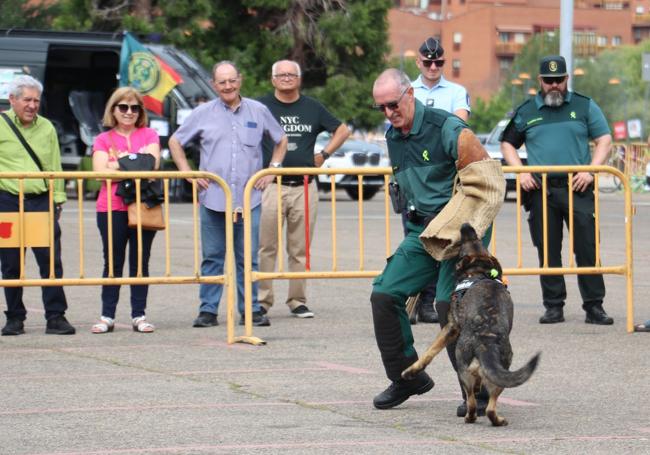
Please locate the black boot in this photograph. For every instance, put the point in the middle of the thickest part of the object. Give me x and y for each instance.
(426, 313)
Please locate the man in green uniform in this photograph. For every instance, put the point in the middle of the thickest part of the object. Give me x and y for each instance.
(24, 97)
(423, 148)
(556, 125)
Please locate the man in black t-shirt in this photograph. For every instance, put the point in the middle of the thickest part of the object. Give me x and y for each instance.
(302, 118)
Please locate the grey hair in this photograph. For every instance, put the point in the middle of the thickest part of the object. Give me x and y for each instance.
(395, 75)
(275, 66)
(222, 63)
(20, 83)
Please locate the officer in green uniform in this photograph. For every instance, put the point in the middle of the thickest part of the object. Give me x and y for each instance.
(422, 145)
(556, 126)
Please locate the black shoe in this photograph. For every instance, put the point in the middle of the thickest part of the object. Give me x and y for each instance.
(59, 325)
(263, 310)
(13, 327)
(426, 313)
(552, 315)
(596, 315)
(259, 320)
(481, 406)
(205, 319)
(400, 391)
(301, 311)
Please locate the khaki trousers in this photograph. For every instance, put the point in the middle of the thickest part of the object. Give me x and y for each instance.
(293, 217)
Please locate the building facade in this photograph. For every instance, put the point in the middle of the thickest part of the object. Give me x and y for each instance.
(481, 38)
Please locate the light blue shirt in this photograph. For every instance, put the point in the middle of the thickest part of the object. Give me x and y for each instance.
(231, 146)
(445, 95)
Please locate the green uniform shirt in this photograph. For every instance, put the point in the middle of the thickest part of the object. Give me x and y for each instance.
(556, 135)
(424, 160)
(41, 136)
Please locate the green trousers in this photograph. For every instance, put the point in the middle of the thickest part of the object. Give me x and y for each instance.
(409, 270)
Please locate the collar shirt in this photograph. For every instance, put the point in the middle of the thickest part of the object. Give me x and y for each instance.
(230, 144)
(41, 136)
(445, 95)
(424, 159)
(557, 135)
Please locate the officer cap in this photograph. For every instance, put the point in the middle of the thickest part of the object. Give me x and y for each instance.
(431, 49)
(552, 65)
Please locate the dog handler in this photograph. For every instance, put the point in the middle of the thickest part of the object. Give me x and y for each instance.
(424, 145)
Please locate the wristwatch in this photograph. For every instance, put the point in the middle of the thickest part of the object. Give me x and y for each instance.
(275, 164)
(324, 154)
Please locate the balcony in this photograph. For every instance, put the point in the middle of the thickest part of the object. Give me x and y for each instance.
(508, 49)
(641, 20)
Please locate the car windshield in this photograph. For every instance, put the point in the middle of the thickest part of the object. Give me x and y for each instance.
(495, 134)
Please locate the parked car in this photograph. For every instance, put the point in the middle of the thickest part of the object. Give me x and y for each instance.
(353, 153)
(493, 147)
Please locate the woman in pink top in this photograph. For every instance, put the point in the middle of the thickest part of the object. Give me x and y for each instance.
(126, 117)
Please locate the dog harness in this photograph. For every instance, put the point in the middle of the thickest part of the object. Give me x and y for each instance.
(463, 286)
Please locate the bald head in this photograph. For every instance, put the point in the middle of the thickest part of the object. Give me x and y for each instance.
(393, 93)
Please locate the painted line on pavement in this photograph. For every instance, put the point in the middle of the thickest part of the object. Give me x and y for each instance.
(339, 444)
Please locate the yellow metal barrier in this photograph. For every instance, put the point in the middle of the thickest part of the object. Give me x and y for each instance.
(250, 275)
(227, 279)
(625, 269)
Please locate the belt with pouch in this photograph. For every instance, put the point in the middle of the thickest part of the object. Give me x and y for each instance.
(420, 220)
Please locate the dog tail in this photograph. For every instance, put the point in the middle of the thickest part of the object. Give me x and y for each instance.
(495, 373)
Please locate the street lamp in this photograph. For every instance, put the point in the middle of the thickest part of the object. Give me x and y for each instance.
(525, 78)
(532, 91)
(577, 74)
(616, 82)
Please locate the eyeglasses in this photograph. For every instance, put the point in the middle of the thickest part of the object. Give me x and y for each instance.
(286, 76)
(394, 105)
(550, 80)
(427, 63)
(124, 108)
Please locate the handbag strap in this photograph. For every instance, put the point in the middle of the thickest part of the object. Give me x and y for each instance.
(23, 141)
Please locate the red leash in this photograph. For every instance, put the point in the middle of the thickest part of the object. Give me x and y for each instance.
(306, 186)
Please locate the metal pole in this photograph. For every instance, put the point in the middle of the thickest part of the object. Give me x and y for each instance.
(566, 35)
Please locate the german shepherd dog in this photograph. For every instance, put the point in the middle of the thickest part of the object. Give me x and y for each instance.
(480, 322)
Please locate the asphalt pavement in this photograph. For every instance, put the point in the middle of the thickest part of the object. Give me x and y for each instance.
(184, 390)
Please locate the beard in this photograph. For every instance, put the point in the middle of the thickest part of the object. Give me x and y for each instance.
(554, 98)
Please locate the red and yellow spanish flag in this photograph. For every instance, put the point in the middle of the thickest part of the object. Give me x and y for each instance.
(150, 75)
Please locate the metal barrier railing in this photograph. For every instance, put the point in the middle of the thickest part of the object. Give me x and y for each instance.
(250, 275)
(624, 269)
(227, 279)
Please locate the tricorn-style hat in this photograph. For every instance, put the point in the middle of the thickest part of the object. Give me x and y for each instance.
(552, 65)
(431, 49)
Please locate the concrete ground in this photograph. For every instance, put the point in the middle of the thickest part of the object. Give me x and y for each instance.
(183, 390)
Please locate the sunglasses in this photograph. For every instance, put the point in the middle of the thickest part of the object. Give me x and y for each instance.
(439, 63)
(394, 105)
(124, 108)
(550, 80)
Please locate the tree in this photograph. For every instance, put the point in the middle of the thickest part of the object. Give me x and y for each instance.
(22, 14)
(340, 44)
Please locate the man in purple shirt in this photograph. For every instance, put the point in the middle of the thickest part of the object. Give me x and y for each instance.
(229, 131)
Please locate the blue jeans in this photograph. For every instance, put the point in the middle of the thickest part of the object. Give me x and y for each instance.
(213, 248)
(123, 235)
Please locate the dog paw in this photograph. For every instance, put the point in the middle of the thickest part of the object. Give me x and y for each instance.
(411, 372)
(470, 418)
